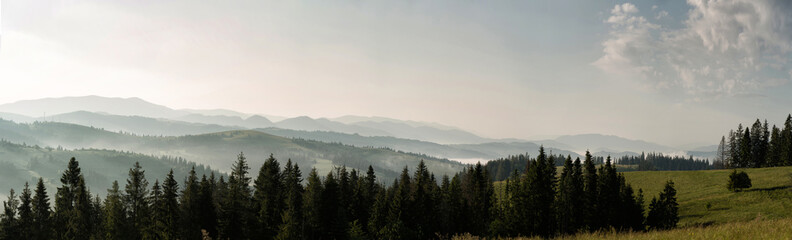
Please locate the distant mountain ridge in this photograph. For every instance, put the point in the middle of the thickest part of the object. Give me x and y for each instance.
(138, 116)
(45, 109)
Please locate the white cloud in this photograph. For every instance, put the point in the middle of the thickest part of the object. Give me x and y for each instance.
(726, 47)
(661, 14)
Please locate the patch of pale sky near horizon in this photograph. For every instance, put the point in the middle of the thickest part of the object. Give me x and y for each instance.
(460, 67)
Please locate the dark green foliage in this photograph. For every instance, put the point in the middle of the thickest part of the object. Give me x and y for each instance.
(664, 211)
(344, 205)
(26, 211)
(208, 214)
(235, 214)
(312, 206)
(738, 181)
(166, 209)
(268, 199)
(590, 193)
(137, 203)
(116, 223)
(190, 211)
(759, 145)
(570, 197)
(73, 205)
(292, 215)
(660, 162)
(42, 228)
(9, 223)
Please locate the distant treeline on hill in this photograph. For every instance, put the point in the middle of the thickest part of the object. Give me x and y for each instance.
(757, 146)
(503, 168)
(659, 162)
(345, 204)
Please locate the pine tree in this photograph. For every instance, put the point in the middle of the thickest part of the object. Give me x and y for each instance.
(786, 142)
(312, 206)
(590, 193)
(169, 208)
(190, 211)
(291, 217)
(9, 223)
(334, 228)
(235, 209)
(115, 219)
(42, 227)
(26, 211)
(268, 198)
(570, 205)
(609, 192)
(73, 205)
(157, 212)
(745, 155)
(774, 148)
(664, 211)
(734, 154)
(721, 154)
(137, 203)
(97, 218)
(759, 143)
(208, 214)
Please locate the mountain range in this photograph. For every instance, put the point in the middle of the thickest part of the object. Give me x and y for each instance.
(137, 116)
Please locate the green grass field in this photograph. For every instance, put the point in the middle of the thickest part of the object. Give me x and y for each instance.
(769, 198)
(763, 211)
(755, 229)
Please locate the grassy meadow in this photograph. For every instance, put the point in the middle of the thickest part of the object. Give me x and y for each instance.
(704, 200)
(707, 210)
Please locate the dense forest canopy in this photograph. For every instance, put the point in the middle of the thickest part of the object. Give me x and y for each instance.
(343, 204)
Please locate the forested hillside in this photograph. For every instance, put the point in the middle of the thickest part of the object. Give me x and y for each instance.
(213, 149)
(344, 204)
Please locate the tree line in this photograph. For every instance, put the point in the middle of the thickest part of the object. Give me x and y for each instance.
(583, 198)
(757, 146)
(660, 162)
(344, 204)
(502, 168)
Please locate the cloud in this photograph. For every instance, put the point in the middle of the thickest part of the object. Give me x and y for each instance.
(725, 47)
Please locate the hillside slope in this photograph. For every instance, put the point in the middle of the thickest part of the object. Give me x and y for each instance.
(770, 197)
(25, 163)
(219, 150)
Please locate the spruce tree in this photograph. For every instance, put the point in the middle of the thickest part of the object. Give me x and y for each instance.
(169, 207)
(745, 155)
(291, 217)
(208, 214)
(235, 209)
(26, 211)
(137, 202)
(664, 211)
(590, 193)
(190, 209)
(774, 148)
(785, 142)
(334, 228)
(157, 212)
(268, 199)
(42, 227)
(312, 206)
(115, 219)
(570, 205)
(9, 223)
(73, 205)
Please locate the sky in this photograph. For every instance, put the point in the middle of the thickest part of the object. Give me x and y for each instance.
(679, 73)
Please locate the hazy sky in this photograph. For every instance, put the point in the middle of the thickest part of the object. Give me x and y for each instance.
(671, 72)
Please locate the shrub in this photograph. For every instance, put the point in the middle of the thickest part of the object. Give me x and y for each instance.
(738, 181)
